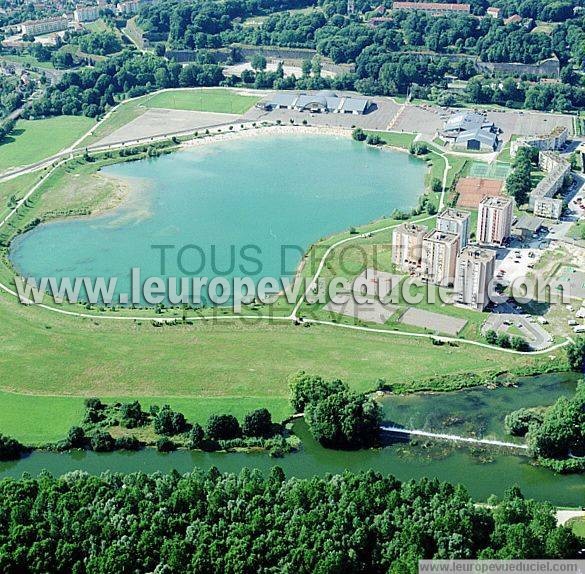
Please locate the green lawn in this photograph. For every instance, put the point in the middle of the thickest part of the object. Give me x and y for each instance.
(221, 101)
(27, 60)
(34, 140)
(396, 139)
(577, 525)
(211, 367)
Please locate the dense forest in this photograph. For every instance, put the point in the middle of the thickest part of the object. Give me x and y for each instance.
(208, 522)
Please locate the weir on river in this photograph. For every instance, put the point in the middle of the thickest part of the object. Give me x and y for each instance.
(453, 437)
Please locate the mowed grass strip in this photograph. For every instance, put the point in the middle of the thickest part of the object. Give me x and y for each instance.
(219, 101)
(34, 140)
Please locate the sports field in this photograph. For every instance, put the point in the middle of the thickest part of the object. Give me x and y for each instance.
(489, 170)
(219, 101)
(34, 140)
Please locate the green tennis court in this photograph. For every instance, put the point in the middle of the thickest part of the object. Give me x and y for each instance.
(489, 170)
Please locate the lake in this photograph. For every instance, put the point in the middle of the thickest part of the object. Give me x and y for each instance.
(233, 208)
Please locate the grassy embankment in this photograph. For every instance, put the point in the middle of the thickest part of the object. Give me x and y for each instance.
(34, 140)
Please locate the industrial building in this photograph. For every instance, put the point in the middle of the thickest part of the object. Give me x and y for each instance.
(436, 8)
(472, 131)
(45, 26)
(322, 102)
(475, 271)
(494, 220)
(407, 240)
(439, 257)
(455, 222)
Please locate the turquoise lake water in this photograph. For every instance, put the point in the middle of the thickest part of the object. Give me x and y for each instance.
(241, 203)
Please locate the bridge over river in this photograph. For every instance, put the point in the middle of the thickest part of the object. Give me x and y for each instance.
(453, 437)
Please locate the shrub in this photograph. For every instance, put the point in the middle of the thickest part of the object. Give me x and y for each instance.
(196, 436)
(168, 422)
(102, 441)
(127, 443)
(164, 444)
(517, 423)
(10, 448)
(258, 423)
(223, 427)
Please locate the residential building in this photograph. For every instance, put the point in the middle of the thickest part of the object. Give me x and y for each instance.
(407, 240)
(548, 207)
(553, 141)
(45, 26)
(456, 222)
(128, 8)
(475, 271)
(557, 169)
(86, 13)
(494, 12)
(436, 8)
(439, 257)
(494, 220)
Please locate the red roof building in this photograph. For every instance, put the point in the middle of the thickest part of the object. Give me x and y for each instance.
(433, 7)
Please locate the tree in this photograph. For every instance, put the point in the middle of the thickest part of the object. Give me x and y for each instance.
(196, 436)
(165, 444)
(491, 337)
(305, 388)
(358, 135)
(102, 441)
(576, 354)
(168, 422)
(258, 62)
(437, 185)
(131, 415)
(10, 448)
(258, 423)
(76, 437)
(344, 420)
(223, 427)
(517, 423)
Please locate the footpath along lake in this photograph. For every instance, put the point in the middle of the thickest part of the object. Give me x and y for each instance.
(225, 203)
(482, 471)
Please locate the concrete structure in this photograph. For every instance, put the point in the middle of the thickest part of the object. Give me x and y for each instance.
(439, 257)
(553, 141)
(475, 270)
(45, 26)
(407, 241)
(548, 207)
(456, 222)
(471, 130)
(471, 190)
(128, 8)
(436, 8)
(494, 12)
(557, 169)
(494, 220)
(324, 102)
(526, 227)
(86, 13)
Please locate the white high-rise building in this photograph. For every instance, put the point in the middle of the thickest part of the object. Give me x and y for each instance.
(407, 240)
(475, 270)
(494, 220)
(439, 257)
(86, 13)
(456, 222)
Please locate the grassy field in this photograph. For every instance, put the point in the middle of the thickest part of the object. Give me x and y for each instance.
(220, 101)
(247, 364)
(34, 140)
(395, 139)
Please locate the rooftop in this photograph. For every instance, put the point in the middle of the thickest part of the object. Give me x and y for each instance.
(495, 201)
(441, 237)
(529, 223)
(435, 6)
(477, 254)
(454, 214)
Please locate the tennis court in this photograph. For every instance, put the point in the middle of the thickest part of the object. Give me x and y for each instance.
(489, 170)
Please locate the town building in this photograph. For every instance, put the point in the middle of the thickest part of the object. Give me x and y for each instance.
(471, 190)
(557, 169)
(526, 227)
(456, 222)
(128, 8)
(45, 26)
(553, 141)
(86, 13)
(548, 207)
(494, 220)
(439, 257)
(322, 102)
(472, 131)
(494, 12)
(475, 270)
(407, 240)
(436, 8)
